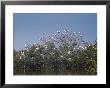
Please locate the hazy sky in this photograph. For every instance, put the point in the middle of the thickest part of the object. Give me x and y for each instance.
(29, 28)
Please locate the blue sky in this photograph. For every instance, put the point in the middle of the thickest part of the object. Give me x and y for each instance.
(30, 27)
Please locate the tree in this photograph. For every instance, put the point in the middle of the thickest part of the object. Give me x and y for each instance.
(61, 53)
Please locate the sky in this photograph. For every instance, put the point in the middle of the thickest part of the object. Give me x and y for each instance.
(30, 27)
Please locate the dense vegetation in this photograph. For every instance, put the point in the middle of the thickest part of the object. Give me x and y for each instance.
(63, 53)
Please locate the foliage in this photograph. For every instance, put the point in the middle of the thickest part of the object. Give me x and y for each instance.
(63, 53)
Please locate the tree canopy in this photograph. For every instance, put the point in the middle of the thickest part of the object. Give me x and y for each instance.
(63, 53)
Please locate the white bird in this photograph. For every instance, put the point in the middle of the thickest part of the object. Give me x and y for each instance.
(37, 48)
(52, 37)
(41, 54)
(79, 32)
(20, 57)
(69, 52)
(61, 56)
(69, 59)
(85, 47)
(46, 47)
(25, 45)
(58, 31)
